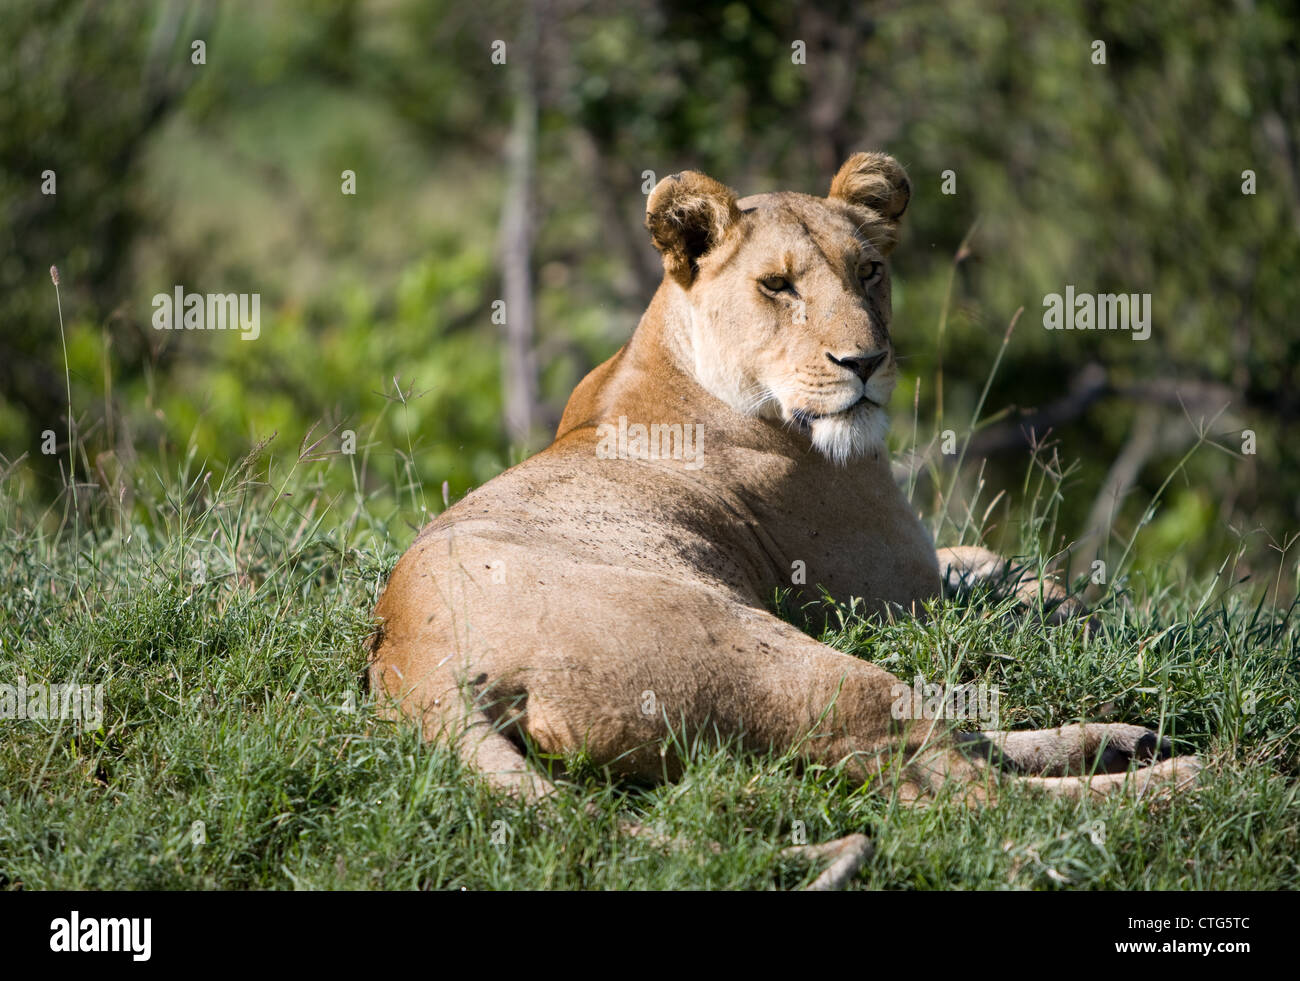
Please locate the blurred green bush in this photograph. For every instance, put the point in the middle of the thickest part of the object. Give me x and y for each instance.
(376, 307)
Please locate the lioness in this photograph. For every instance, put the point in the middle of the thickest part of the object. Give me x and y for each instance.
(614, 585)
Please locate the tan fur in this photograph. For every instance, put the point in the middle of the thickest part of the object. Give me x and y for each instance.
(589, 603)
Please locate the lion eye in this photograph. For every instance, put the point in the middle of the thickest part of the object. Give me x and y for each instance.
(870, 273)
(774, 283)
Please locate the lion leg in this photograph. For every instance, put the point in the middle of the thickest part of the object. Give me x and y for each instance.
(450, 714)
(830, 708)
(1075, 749)
(966, 567)
(1168, 776)
(496, 759)
(847, 855)
(484, 749)
(1076, 760)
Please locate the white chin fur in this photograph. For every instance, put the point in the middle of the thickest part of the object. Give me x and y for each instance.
(847, 437)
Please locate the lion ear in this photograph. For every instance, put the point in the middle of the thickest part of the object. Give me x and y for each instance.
(687, 215)
(878, 183)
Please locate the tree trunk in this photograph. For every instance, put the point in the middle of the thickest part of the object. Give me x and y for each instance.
(519, 368)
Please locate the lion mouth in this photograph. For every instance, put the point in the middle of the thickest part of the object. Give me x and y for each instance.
(805, 418)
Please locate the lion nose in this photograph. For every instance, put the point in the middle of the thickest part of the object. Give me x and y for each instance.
(864, 366)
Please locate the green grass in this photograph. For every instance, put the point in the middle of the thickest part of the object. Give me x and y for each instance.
(228, 684)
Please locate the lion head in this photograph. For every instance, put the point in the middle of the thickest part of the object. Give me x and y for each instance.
(788, 297)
